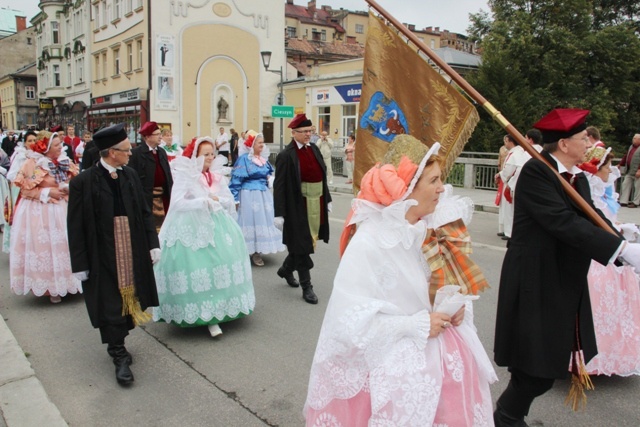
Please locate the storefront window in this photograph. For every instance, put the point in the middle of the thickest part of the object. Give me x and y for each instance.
(324, 119)
(349, 120)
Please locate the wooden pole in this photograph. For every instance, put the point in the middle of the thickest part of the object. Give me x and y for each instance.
(495, 114)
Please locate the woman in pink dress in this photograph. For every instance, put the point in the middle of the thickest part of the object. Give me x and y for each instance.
(39, 259)
(349, 157)
(614, 290)
(387, 354)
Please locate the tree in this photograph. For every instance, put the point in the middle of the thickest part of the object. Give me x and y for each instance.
(543, 54)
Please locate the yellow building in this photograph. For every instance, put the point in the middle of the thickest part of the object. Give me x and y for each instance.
(120, 67)
(18, 98)
(329, 96)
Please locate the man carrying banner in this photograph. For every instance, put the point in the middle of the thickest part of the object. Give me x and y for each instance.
(544, 316)
(302, 203)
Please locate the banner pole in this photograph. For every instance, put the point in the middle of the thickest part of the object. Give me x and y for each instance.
(493, 112)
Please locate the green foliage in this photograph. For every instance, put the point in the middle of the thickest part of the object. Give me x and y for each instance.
(543, 54)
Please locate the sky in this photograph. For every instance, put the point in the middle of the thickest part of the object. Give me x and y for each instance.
(446, 14)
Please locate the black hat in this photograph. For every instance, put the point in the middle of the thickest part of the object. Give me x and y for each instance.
(110, 136)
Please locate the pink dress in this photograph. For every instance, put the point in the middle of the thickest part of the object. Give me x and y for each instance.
(40, 260)
(615, 301)
(375, 363)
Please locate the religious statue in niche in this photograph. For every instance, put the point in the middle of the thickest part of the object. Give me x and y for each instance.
(223, 108)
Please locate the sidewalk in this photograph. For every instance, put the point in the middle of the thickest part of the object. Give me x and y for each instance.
(17, 382)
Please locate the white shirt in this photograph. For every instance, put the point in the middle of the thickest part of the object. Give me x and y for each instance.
(223, 141)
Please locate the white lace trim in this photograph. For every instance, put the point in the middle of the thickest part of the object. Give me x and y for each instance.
(450, 208)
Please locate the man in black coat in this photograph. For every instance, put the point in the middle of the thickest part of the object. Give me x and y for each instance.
(152, 166)
(9, 143)
(544, 312)
(301, 204)
(113, 243)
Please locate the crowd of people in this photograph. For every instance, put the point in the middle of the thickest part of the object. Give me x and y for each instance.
(168, 233)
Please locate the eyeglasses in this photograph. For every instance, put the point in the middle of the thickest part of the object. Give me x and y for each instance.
(156, 133)
(309, 132)
(585, 139)
(122, 149)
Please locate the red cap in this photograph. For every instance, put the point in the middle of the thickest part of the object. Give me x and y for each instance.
(148, 128)
(562, 123)
(57, 128)
(300, 121)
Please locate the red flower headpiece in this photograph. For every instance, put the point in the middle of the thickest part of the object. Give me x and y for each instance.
(41, 146)
(249, 141)
(188, 151)
(591, 166)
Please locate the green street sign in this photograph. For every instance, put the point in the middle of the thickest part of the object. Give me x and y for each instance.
(282, 111)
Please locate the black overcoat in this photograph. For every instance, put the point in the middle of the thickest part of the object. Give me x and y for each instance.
(143, 162)
(290, 204)
(91, 242)
(543, 284)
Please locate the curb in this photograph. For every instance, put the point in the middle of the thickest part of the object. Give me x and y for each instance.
(17, 380)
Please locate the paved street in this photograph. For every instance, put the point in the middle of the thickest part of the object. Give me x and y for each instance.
(256, 373)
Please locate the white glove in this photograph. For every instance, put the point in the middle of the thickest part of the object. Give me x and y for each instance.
(629, 231)
(82, 276)
(278, 222)
(155, 255)
(270, 180)
(329, 207)
(630, 253)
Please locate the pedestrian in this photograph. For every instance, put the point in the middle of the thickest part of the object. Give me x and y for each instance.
(39, 261)
(612, 289)
(222, 143)
(325, 144)
(113, 244)
(593, 133)
(173, 149)
(349, 158)
(544, 317)
(152, 166)
(505, 211)
(204, 274)
(302, 203)
(251, 178)
(234, 142)
(630, 167)
(387, 353)
(511, 172)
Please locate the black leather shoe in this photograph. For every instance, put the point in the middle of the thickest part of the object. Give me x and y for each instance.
(308, 295)
(505, 238)
(124, 376)
(500, 234)
(291, 281)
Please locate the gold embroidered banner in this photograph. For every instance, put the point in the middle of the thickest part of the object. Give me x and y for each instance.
(402, 93)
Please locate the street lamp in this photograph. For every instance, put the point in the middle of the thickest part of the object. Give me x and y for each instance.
(266, 60)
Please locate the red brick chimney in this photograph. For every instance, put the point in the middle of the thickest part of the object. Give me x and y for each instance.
(21, 23)
(311, 6)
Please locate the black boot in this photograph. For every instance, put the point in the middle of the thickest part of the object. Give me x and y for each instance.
(307, 290)
(122, 359)
(502, 419)
(288, 276)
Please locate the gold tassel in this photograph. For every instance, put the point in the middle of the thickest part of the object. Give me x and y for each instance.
(580, 381)
(131, 306)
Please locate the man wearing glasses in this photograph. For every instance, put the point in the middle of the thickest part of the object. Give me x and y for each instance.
(113, 244)
(152, 166)
(302, 203)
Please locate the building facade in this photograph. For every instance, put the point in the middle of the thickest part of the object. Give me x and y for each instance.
(206, 67)
(18, 97)
(120, 65)
(62, 39)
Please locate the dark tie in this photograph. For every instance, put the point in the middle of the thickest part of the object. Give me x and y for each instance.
(569, 177)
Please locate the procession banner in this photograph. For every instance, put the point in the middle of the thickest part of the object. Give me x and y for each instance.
(403, 93)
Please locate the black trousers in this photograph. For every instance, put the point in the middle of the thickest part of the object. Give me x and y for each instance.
(301, 263)
(115, 334)
(521, 391)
